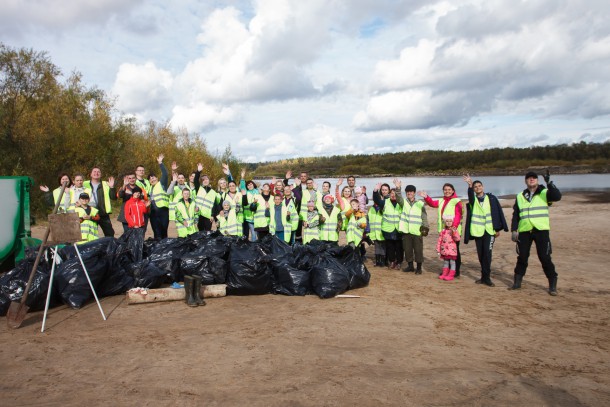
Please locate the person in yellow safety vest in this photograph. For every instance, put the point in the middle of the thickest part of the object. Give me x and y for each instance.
(206, 199)
(281, 219)
(77, 189)
(310, 193)
(451, 205)
(330, 221)
(227, 220)
(343, 199)
(235, 197)
(174, 191)
(530, 223)
(484, 221)
(159, 208)
(356, 223)
(375, 218)
(390, 203)
(101, 194)
(289, 202)
(187, 213)
(261, 220)
(249, 201)
(413, 225)
(88, 218)
(325, 191)
(144, 184)
(311, 223)
(66, 200)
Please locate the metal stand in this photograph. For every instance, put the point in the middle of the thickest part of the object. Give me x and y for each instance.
(46, 308)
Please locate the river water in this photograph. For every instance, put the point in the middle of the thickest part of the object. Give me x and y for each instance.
(497, 185)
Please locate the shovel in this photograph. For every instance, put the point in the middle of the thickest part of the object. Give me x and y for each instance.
(18, 309)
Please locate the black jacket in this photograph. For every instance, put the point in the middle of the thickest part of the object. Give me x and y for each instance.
(497, 216)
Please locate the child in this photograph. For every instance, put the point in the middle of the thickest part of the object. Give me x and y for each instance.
(356, 223)
(447, 248)
(361, 198)
(311, 224)
(227, 220)
(279, 219)
(89, 217)
(136, 208)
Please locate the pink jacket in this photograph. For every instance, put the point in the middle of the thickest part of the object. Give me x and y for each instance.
(446, 244)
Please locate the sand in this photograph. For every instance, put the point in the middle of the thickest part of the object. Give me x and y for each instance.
(410, 340)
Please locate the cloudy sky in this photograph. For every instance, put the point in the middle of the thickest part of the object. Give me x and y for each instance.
(286, 78)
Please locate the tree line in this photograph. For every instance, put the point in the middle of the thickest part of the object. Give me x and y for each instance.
(577, 157)
(49, 126)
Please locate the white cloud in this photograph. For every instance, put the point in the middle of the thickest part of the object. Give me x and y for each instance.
(142, 88)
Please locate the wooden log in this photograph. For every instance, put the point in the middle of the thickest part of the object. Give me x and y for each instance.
(172, 294)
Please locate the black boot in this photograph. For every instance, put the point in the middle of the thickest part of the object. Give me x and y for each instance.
(379, 260)
(410, 267)
(188, 291)
(553, 286)
(517, 282)
(418, 270)
(385, 261)
(197, 290)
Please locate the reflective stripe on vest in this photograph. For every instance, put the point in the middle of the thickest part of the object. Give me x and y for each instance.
(175, 199)
(328, 230)
(159, 196)
(310, 234)
(390, 217)
(411, 218)
(480, 221)
(187, 215)
(534, 214)
(291, 207)
(66, 199)
(260, 220)
(88, 228)
(306, 198)
(145, 185)
(105, 188)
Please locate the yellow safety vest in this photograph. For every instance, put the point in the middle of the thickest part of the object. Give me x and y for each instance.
(480, 221)
(390, 217)
(260, 220)
(159, 196)
(287, 224)
(534, 214)
(328, 230)
(187, 214)
(355, 231)
(88, 228)
(105, 190)
(67, 200)
(306, 197)
(449, 209)
(411, 218)
(375, 219)
(294, 215)
(205, 201)
(229, 226)
(175, 199)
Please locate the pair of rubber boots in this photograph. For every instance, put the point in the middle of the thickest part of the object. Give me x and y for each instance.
(447, 275)
(410, 268)
(381, 260)
(552, 284)
(192, 291)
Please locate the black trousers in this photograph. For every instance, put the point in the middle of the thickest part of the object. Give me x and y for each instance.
(106, 225)
(485, 246)
(458, 261)
(393, 249)
(543, 249)
(204, 224)
(159, 222)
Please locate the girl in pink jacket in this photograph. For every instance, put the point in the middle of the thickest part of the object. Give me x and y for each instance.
(446, 247)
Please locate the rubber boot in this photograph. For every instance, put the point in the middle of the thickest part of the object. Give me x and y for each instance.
(409, 267)
(188, 291)
(517, 282)
(378, 260)
(444, 274)
(553, 286)
(451, 275)
(418, 270)
(197, 290)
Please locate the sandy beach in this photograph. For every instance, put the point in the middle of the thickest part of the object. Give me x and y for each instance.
(409, 340)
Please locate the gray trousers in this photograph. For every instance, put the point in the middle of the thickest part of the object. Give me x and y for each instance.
(414, 247)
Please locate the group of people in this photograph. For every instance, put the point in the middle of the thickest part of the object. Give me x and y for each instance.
(296, 210)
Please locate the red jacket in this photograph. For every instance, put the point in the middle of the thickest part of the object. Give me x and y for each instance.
(134, 212)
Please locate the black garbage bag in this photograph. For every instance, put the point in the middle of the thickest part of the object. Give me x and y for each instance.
(72, 283)
(166, 256)
(212, 245)
(149, 246)
(304, 256)
(147, 274)
(212, 270)
(328, 277)
(94, 246)
(249, 271)
(351, 259)
(289, 280)
(12, 284)
(133, 241)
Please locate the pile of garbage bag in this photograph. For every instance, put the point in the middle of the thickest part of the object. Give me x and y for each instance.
(247, 268)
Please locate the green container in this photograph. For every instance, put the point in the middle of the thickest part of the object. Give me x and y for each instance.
(15, 231)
